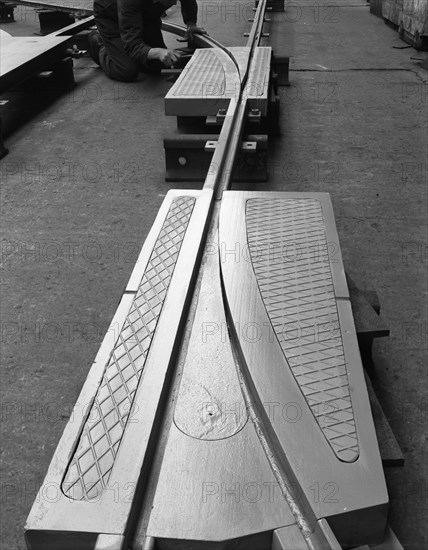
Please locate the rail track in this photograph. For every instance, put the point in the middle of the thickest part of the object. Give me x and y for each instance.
(175, 441)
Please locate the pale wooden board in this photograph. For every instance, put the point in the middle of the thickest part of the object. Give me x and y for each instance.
(390, 451)
(360, 490)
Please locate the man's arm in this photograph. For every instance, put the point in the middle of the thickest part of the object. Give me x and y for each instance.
(130, 27)
(189, 11)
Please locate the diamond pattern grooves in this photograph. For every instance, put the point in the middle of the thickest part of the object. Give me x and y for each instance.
(90, 467)
(204, 76)
(289, 253)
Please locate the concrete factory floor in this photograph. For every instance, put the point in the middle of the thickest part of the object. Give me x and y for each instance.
(84, 180)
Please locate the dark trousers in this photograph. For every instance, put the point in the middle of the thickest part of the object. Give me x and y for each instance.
(114, 60)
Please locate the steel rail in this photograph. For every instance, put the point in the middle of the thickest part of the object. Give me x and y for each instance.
(221, 168)
(317, 535)
(316, 532)
(200, 40)
(218, 179)
(256, 33)
(220, 171)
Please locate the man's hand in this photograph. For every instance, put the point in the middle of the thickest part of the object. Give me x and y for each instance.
(192, 28)
(165, 56)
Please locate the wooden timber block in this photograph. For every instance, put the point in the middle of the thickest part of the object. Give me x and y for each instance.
(281, 65)
(367, 311)
(368, 322)
(369, 325)
(283, 281)
(390, 451)
(211, 78)
(187, 159)
(108, 445)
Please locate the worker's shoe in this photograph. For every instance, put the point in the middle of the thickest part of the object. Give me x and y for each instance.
(94, 45)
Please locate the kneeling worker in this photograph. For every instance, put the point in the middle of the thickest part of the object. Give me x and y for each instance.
(129, 38)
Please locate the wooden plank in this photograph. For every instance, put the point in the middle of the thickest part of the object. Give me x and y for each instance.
(368, 323)
(390, 451)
